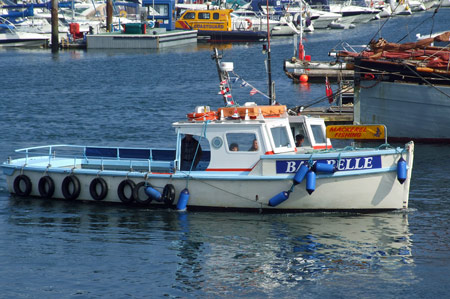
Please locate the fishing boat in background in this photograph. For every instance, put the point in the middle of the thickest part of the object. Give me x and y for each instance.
(406, 87)
(246, 157)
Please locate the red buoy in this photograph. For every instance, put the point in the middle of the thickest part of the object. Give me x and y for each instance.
(304, 78)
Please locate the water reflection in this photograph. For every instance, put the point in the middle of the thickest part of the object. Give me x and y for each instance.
(224, 253)
(266, 252)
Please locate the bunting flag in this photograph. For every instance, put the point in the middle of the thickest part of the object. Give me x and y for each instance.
(243, 84)
(253, 91)
(328, 90)
(224, 91)
(223, 82)
(235, 79)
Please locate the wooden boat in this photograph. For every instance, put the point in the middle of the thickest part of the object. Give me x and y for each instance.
(406, 87)
(276, 175)
(317, 70)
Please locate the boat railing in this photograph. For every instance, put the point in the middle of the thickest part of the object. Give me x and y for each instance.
(103, 157)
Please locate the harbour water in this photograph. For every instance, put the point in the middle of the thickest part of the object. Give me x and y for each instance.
(61, 249)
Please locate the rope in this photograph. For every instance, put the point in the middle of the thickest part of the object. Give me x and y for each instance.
(234, 194)
(425, 80)
(248, 84)
(338, 92)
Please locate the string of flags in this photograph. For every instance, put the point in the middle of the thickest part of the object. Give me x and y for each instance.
(225, 90)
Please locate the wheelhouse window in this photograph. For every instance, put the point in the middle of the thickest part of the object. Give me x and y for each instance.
(215, 16)
(318, 133)
(280, 137)
(204, 15)
(242, 142)
(189, 16)
(162, 9)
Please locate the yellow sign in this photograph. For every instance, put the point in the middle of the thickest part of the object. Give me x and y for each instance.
(356, 132)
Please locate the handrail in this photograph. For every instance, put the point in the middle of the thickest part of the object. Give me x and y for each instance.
(50, 151)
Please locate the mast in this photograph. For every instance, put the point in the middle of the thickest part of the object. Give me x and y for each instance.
(223, 77)
(269, 70)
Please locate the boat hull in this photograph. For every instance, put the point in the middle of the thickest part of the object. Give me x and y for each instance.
(410, 111)
(22, 40)
(232, 36)
(317, 70)
(352, 188)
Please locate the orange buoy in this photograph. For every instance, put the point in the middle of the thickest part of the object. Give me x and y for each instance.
(304, 78)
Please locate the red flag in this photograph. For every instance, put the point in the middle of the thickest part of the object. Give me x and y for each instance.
(253, 91)
(328, 90)
(223, 82)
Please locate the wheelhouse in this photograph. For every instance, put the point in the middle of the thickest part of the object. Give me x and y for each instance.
(230, 143)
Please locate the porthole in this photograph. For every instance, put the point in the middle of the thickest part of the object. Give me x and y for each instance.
(217, 142)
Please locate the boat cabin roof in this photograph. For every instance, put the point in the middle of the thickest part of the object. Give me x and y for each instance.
(231, 140)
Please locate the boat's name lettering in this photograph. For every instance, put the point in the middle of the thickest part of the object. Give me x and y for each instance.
(343, 164)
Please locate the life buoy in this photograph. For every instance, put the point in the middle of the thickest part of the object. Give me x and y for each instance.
(18, 185)
(46, 187)
(151, 24)
(249, 24)
(121, 191)
(123, 14)
(66, 190)
(103, 188)
(168, 194)
(137, 194)
(202, 116)
(369, 76)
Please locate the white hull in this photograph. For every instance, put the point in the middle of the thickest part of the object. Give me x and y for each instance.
(408, 110)
(22, 39)
(349, 189)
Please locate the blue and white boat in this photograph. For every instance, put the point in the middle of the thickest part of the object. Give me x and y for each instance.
(275, 176)
(11, 37)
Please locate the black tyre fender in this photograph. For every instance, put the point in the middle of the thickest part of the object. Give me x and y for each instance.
(46, 187)
(103, 188)
(17, 185)
(136, 192)
(168, 194)
(71, 179)
(121, 191)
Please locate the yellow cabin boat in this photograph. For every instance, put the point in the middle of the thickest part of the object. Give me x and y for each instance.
(215, 25)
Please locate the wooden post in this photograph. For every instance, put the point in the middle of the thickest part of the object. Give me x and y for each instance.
(109, 12)
(55, 29)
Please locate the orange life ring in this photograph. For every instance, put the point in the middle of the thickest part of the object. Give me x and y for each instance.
(204, 118)
(249, 22)
(212, 115)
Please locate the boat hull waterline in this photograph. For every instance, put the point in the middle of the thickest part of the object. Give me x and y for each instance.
(357, 185)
